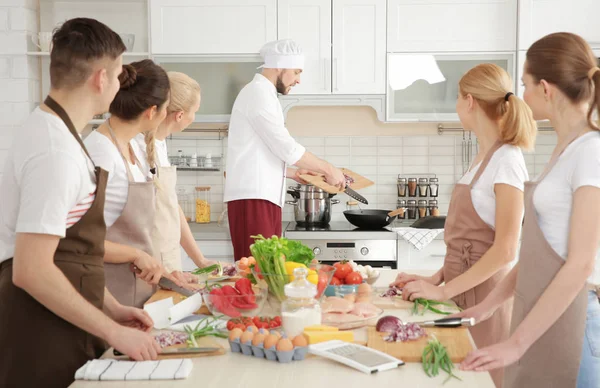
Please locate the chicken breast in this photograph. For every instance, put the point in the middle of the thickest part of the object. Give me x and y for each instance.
(333, 304)
(366, 310)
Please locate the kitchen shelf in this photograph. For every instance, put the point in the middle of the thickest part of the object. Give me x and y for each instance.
(125, 54)
(198, 168)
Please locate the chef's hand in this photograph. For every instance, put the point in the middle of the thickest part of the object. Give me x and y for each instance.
(480, 312)
(150, 269)
(496, 356)
(138, 345)
(302, 171)
(336, 177)
(404, 278)
(133, 317)
(422, 289)
(180, 276)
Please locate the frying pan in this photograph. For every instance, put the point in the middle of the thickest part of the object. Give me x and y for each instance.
(372, 219)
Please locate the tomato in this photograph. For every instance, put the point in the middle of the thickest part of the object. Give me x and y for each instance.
(240, 326)
(342, 269)
(335, 281)
(255, 321)
(353, 278)
(278, 320)
(273, 324)
(230, 325)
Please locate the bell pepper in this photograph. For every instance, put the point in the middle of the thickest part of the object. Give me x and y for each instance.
(244, 286)
(222, 303)
(242, 304)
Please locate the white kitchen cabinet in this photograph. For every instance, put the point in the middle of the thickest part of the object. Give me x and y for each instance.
(538, 18)
(212, 26)
(359, 36)
(430, 258)
(424, 87)
(308, 22)
(451, 25)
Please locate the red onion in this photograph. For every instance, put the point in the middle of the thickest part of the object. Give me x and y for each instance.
(165, 339)
(388, 324)
(406, 332)
(391, 292)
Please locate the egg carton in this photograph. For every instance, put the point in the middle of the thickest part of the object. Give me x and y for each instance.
(247, 349)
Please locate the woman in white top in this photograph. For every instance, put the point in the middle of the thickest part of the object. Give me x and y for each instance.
(558, 273)
(171, 229)
(140, 105)
(486, 209)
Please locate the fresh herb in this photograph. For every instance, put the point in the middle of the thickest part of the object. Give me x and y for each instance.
(270, 258)
(421, 305)
(435, 357)
(205, 327)
(210, 269)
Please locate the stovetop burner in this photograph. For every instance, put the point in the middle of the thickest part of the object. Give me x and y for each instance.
(332, 227)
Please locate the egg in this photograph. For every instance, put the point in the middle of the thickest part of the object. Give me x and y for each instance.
(364, 289)
(235, 334)
(285, 345)
(270, 341)
(252, 328)
(259, 338)
(350, 298)
(247, 337)
(276, 333)
(299, 341)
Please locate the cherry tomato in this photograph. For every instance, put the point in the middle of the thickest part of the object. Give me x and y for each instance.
(335, 281)
(353, 278)
(342, 269)
(278, 320)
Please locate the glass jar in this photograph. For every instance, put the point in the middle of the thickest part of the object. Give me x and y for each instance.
(412, 187)
(423, 187)
(422, 208)
(433, 187)
(411, 206)
(186, 202)
(300, 309)
(202, 205)
(402, 186)
(402, 204)
(433, 207)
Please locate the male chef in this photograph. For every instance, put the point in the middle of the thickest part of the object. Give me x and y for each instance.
(260, 149)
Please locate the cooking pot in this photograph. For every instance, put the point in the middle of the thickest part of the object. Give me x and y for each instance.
(312, 205)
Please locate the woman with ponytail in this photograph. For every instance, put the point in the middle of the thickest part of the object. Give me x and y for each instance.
(132, 268)
(486, 210)
(171, 230)
(555, 328)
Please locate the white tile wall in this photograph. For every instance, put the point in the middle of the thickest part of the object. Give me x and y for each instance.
(380, 159)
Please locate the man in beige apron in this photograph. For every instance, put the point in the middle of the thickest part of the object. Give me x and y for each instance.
(132, 228)
(553, 360)
(467, 239)
(42, 349)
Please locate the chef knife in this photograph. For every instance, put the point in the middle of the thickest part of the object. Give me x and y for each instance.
(353, 194)
(167, 283)
(179, 351)
(448, 322)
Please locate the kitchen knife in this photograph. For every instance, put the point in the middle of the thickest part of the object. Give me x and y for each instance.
(448, 322)
(353, 194)
(179, 351)
(170, 285)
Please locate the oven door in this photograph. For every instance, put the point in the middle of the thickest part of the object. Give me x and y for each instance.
(379, 264)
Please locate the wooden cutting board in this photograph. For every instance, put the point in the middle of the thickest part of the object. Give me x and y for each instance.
(360, 182)
(392, 303)
(456, 340)
(202, 342)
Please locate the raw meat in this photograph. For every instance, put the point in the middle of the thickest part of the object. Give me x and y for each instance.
(333, 318)
(333, 304)
(366, 310)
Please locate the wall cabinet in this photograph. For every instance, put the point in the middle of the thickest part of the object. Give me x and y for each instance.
(212, 26)
(451, 25)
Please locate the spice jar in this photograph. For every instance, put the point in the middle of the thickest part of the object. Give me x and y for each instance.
(300, 309)
(412, 187)
(202, 205)
(433, 207)
(423, 187)
(411, 209)
(402, 185)
(433, 187)
(422, 208)
(402, 204)
(186, 201)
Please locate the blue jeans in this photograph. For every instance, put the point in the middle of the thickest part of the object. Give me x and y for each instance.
(589, 369)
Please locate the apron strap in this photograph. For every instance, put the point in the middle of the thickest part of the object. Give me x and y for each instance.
(114, 138)
(56, 108)
(558, 151)
(485, 162)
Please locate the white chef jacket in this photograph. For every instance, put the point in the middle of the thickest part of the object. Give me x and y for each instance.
(259, 146)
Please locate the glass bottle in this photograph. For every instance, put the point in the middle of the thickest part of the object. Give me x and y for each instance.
(202, 205)
(300, 309)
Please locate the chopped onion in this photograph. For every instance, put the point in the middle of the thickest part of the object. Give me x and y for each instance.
(391, 292)
(170, 338)
(406, 332)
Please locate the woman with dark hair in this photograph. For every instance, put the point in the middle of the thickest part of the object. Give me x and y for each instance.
(55, 313)
(139, 106)
(556, 282)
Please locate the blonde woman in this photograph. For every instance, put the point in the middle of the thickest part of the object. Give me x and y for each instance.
(171, 229)
(486, 210)
(554, 339)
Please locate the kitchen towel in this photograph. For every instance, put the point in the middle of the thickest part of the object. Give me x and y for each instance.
(114, 370)
(418, 238)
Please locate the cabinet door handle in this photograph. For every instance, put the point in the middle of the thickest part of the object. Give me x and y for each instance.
(335, 65)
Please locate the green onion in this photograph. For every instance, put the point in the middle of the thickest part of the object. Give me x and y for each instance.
(428, 304)
(435, 357)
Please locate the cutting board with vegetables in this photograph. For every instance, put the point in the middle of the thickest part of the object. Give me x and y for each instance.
(456, 340)
(360, 182)
(392, 303)
(204, 342)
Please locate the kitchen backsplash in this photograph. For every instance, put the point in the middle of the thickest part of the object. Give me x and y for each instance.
(379, 158)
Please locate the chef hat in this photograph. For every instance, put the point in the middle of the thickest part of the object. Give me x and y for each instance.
(282, 54)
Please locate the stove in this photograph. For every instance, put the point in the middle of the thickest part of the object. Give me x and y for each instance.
(344, 241)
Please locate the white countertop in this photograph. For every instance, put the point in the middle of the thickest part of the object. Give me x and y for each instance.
(236, 370)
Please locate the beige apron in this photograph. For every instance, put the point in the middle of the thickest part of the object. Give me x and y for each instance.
(166, 234)
(467, 239)
(553, 360)
(133, 228)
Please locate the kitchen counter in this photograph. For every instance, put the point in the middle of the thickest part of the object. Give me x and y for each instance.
(236, 370)
(214, 232)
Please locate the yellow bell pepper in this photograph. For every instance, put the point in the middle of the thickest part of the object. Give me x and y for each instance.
(313, 276)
